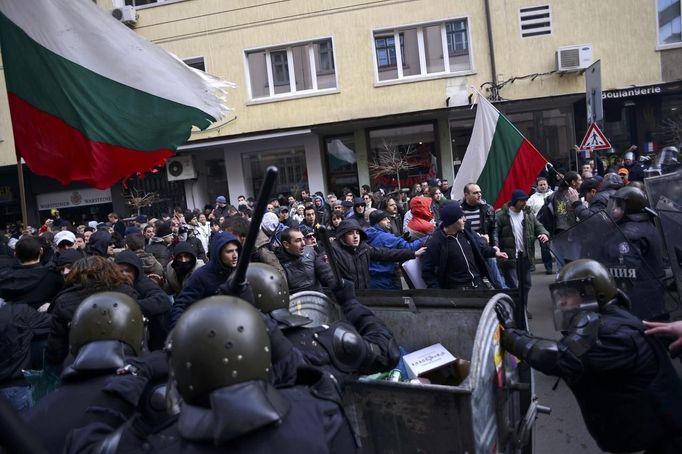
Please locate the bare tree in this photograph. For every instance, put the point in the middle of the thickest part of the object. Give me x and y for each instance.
(138, 199)
(392, 159)
(671, 131)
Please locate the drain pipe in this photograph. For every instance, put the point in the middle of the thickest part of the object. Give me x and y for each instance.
(494, 94)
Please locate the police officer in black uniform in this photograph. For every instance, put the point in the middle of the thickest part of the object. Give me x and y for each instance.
(629, 394)
(361, 345)
(220, 359)
(106, 331)
(637, 264)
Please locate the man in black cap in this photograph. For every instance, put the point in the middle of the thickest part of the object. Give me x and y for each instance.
(285, 219)
(517, 229)
(455, 257)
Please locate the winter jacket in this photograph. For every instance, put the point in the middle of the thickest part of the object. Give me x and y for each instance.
(353, 263)
(420, 224)
(263, 254)
(19, 324)
(435, 259)
(173, 283)
(205, 281)
(159, 250)
(531, 229)
(62, 309)
(487, 218)
(34, 285)
(383, 274)
(308, 272)
(607, 188)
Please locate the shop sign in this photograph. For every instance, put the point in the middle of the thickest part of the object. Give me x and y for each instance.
(630, 92)
(67, 199)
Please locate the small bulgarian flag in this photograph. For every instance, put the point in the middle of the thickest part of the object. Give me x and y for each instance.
(91, 100)
(498, 159)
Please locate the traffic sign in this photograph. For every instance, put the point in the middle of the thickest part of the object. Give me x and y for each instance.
(594, 139)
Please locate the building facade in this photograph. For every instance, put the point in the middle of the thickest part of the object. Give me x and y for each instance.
(327, 90)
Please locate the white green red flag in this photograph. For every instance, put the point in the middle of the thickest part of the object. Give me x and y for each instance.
(90, 99)
(498, 158)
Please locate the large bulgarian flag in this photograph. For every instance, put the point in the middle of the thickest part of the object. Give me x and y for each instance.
(498, 159)
(91, 100)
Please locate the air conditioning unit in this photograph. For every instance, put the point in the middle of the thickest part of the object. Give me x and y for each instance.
(125, 14)
(180, 168)
(573, 58)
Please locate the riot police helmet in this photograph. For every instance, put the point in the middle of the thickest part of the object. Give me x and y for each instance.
(270, 287)
(581, 285)
(218, 342)
(107, 316)
(630, 202)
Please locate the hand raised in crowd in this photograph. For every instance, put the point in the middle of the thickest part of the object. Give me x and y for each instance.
(573, 195)
(542, 238)
(158, 280)
(420, 251)
(666, 329)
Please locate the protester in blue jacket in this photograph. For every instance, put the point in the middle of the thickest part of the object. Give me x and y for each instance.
(383, 274)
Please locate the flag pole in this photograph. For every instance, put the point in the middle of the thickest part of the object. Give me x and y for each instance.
(22, 192)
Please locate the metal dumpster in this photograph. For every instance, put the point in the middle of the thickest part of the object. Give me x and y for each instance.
(484, 414)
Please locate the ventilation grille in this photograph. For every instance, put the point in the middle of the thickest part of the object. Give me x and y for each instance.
(535, 21)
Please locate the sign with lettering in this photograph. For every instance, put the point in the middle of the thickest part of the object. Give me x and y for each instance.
(427, 359)
(67, 199)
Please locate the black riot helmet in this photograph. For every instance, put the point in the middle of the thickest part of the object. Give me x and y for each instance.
(218, 342)
(107, 316)
(270, 288)
(630, 202)
(583, 284)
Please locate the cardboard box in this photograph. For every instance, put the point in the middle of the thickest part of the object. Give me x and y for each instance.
(427, 359)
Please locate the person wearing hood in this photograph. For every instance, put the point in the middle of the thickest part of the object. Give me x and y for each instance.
(421, 222)
(358, 212)
(383, 274)
(272, 229)
(321, 210)
(153, 301)
(352, 255)
(150, 266)
(597, 195)
(30, 282)
(99, 243)
(207, 280)
(179, 270)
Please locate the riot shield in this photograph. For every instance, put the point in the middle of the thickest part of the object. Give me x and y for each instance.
(665, 197)
(599, 238)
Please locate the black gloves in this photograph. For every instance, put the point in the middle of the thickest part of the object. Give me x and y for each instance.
(344, 292)
(152, 366)
(504, 316)
(241, 290)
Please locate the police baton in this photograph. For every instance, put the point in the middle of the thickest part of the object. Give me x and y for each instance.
(239, 277)
(327, 245)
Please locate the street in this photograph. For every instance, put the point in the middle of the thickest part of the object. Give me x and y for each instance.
(562, 431)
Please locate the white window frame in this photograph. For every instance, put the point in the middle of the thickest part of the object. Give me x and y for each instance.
(665, 46)
(550, 19)
(423, 75)
(293, 92)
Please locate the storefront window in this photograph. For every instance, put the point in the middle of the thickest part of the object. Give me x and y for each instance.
(216, 179)
(292, 176)
(342, 165)
(401, 157)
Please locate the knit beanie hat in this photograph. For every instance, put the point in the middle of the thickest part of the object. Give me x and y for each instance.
(450, 213)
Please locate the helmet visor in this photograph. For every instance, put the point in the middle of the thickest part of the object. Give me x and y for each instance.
(569, 298)
(615, 208)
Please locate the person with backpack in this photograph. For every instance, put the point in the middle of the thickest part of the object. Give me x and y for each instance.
(536, 202)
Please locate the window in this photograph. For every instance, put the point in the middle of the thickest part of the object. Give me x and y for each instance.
(535, 21)
(669, 22)
(342, 165)
(288, 70)
(196, 63)
(292, 176)
(424, 50)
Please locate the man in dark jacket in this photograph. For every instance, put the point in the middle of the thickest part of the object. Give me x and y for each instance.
(351, 254)
(30, 282)
(305, 269)
(455, 257)
(161, 243)
(206, 281)
(598, 199)
(19, 324)
(153, 301)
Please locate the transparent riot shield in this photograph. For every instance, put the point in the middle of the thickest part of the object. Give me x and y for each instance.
(600, 239)
(665, 197)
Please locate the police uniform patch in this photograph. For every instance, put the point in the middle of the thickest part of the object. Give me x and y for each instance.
(624, 247)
